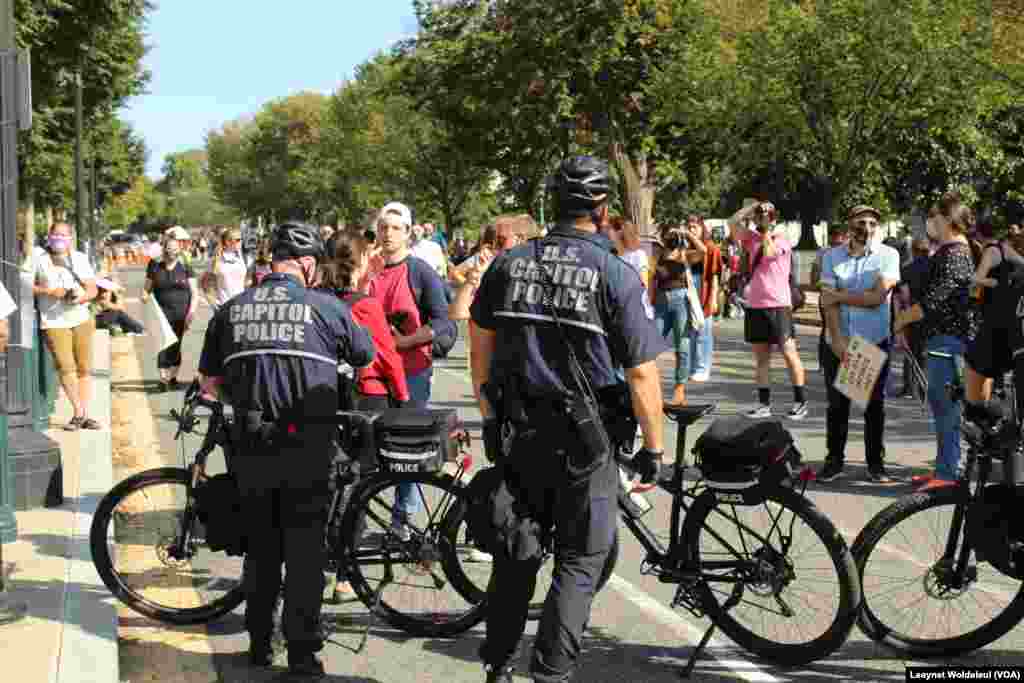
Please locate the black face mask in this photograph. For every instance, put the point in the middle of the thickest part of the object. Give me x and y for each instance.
(859, 235)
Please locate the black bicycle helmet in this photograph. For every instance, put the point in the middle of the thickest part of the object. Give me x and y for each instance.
(580, 185)
(294, 240)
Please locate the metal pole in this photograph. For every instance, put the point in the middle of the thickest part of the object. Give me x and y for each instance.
(10, 610)
(79, 172)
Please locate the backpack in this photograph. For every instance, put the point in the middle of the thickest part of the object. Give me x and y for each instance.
(444, 338)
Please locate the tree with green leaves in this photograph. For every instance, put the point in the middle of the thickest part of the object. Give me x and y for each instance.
(812, 105)
(524, 83)
(402, 151)
(103, 41)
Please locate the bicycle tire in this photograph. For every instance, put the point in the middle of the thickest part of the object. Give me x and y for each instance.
(120, 588)
(351, 536)
(789, 654)
(873, 627)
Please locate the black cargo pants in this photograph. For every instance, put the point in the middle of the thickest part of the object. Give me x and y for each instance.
(584, 515)
(285, 496)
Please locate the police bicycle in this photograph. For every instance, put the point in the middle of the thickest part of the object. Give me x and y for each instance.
(745, 548)
(942, 569)
(154, 547)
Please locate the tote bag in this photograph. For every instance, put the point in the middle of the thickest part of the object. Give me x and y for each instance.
(160, 333)
(696, 310)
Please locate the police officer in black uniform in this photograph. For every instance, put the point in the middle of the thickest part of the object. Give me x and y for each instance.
(521, 371)
(274, 351)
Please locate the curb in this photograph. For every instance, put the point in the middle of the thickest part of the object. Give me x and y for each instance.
(88, 641)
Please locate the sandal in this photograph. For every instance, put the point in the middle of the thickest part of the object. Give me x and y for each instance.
(89, 423)
(74, 424)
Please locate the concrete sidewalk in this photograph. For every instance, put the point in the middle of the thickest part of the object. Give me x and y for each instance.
(70, 633)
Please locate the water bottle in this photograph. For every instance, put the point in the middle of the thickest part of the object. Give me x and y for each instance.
(636, 503)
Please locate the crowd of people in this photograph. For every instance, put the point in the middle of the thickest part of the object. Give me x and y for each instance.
(398, 289)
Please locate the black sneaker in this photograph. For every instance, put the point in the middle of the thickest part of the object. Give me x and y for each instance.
(831, 471)
(879, 476)
(306, 665)
(500, 674)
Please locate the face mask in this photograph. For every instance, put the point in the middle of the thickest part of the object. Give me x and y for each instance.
(59, 243)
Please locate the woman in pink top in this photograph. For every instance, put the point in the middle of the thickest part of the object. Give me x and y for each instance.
(769, 313)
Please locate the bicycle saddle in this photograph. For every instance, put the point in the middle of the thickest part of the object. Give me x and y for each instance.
(687, 415)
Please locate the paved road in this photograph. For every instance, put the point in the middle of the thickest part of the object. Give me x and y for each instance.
(634, 635)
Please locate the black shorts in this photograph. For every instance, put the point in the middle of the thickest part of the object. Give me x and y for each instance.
(768, 325)
(991, 352)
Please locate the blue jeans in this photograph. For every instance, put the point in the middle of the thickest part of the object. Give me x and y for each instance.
(407, 500)
(673, 318)
(943, 371)
(702, 347)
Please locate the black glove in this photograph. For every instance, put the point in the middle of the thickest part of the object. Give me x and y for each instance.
(492, 440)
(647, 464)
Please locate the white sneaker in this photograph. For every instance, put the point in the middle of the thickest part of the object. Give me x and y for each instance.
(700, 376)
(760, 412)
(477, 555)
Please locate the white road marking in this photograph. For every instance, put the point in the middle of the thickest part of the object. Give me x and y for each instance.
(722, 652)
(718, 649)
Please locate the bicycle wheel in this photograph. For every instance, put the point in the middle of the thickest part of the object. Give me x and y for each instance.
(909, 602)
(410, 574)
(776, 577)
(133, 535)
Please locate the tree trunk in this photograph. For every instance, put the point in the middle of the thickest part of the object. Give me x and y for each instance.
(638, 176)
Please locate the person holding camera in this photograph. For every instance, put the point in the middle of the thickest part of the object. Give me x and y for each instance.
(65, 283)
(670, 293)
(553, 321)
(769, 312)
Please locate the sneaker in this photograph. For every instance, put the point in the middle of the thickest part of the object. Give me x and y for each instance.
(831, 471)
(499, 674)
(760, 412)
(477, 555)
(798, 411)
(306, 665)
(700, 377)
(879, 476)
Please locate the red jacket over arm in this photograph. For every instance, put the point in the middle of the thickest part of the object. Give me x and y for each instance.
(385, 375)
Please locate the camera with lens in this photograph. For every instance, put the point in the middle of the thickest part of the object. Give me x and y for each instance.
(675, 240)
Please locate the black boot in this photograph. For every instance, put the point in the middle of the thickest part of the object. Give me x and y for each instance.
(499, 674)
(305, 664)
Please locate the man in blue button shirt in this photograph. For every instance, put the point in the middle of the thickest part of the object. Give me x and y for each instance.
(855, 282)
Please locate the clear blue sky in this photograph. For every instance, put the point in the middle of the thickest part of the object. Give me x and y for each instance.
(216, 61)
